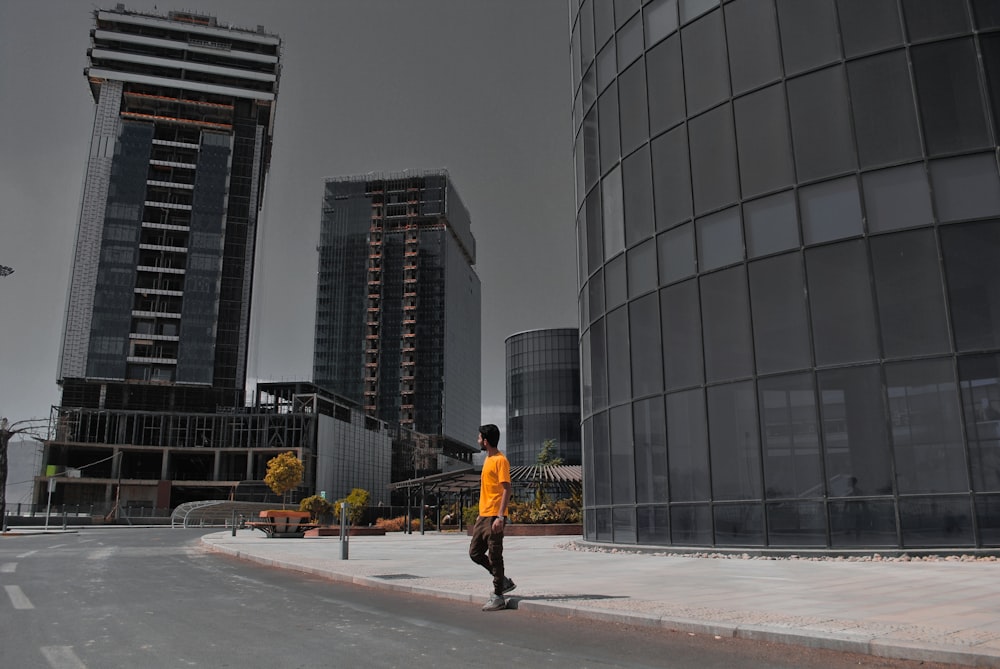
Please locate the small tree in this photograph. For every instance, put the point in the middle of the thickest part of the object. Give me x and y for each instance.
(320, 509)
(284, 474)
(32, 427)
(546, 458)
(357, 501)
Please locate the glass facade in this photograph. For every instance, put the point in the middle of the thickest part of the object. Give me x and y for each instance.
(543, 394)
(788, 220)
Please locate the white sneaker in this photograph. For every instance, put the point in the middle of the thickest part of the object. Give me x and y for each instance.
(496, 603)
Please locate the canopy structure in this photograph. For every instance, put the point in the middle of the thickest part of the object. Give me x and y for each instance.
(460, 482)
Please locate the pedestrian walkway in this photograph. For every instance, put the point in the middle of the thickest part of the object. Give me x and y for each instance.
(937, 611)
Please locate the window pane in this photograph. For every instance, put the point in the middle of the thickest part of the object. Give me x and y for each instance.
(780, 321)
(926, 427)
(599, 365)
(771, 225)
(671, 178)
(692, 9)
(934, 18)
(965, 187)
(619, 384)
(644, 328)
(613, 210)
(691, 525)
(632, 101)
(790, 437)
(949, 96)
(970, 262)
(706, 68)
(720, 239)
(830, 210)
(681, 324)
(862, 523)
(735, 452)
(840, 295)
(885, 119)
(980, 384)
(595, 288)
(666, 85)
(936, 521)
(897, 198)
(602, 459)
(855, 441)
(595, 230)
(607, 110)
(591, 154)
(990, 45)
(622, 456)
(587, 32)
(869, 25)
(910, 294)
(739, 525)
(808, 34)
(653, 525)
(604, 22)
(630, 42)
(726, 317)
(987, 13)
(607, 66)
(661, 19)
(714, 173)
(676, 254)
(642, 268)
(765, 149)
(615, 283)
(753, 44)
(637, 186)
(821, 124)
(796, 524)
(687, 439)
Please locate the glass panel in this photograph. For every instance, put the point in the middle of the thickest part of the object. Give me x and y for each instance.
(739, 525)
(623, 525)
(855, 439)
(650, 450)
(821, 123)
(988, 519)
(614, 215)
(765, 149)
(654, 525)
(980, 385)
(661, 19)
(796, 524)
(897, 198)
(602, 525)
(666, 85)
(599, 365)
(671, 178)
(735, 450)
(949, 95)
(637, 185)
(965, 187)
(622, 456)
(596, 293)
(604, 22)
(687, 445)
(706, 68)
(926, 427)
(910, 294)
(632, 107)
(840, 294)
(691, 525)
(607, 109)
(607, 66)
(595, 230)
(720, 239)
(862, 523)
(581, 248)
(630, 44)
(714, 172)
(624, 10)
(987, 13)
(644, 329)
(936, 521)
(934, 18)
(681, 325)
(830, 210)
(619, 384)
(589, 485)
(869, 25)
(970, 261)
(752, 35)
(780, 320)
(591, 154)
(642, 268)
(885, 119)
(726, 316)
(790, 437)
(587, 33)
(691, 9)
(771, 225)
(808, 34)
(676, 254)
(602, 459)
(615, 283)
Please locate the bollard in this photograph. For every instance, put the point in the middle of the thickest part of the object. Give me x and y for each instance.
(234, 522)
(344, 533)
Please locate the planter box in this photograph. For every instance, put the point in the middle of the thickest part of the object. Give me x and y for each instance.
(334, 531)
(539, 529)
(281, 524)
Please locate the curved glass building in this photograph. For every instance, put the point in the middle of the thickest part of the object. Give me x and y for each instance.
(543, 394)
(789, 232)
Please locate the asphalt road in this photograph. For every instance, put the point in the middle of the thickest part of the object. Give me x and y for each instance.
(151, 597)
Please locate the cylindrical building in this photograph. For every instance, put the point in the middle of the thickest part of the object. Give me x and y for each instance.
(543, 394)
(789, 231)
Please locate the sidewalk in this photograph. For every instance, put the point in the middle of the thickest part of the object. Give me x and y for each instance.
(945, 611)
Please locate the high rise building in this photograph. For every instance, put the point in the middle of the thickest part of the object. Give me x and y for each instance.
(398, 302)
(158, 309)
(788, 230)
(543, 394)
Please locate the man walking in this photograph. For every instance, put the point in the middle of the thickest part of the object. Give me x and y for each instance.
(486, 548)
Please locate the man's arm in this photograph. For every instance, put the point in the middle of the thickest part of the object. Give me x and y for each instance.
(503, 506)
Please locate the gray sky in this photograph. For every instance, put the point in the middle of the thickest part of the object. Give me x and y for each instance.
(480, 87)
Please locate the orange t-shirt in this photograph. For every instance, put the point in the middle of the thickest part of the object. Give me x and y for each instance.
(496, 472)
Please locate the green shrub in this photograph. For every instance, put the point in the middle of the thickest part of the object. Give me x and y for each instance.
(320, 509)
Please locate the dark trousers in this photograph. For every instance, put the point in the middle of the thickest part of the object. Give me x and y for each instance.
(486, 549)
